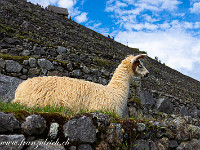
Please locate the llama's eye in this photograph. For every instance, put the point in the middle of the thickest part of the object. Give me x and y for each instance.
(140, 66)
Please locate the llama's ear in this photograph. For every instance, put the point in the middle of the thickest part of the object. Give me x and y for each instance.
(136, 58)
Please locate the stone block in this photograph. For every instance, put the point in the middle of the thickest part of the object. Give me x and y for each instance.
(45, 64)
(11, 142)
(34, 125)
(80, 129)
(13, 66)
(8, 122)
(8, 86)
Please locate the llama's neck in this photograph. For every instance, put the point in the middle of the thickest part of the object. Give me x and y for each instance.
(120, 80)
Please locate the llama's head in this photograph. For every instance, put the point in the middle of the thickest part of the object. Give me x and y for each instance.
(137, 66)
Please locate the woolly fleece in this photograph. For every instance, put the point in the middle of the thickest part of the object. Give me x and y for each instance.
(78, 94)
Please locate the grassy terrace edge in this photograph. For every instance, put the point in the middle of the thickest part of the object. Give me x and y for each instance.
(22, 111)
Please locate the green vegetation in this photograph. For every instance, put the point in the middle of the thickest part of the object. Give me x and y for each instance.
(134, 84)
(16, 58)
(21, 34)
(159, 113)
(6, 29)
(104, 62)
(13, 107)
(136, 100)
(23, 109)
(138, 51)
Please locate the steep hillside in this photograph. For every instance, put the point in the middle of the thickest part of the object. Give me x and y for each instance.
(163, 109)
(28, 30)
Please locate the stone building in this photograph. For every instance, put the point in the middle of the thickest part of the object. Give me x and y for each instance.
(59, 10)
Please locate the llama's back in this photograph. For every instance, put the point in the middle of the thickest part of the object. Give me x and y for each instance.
(61, 91)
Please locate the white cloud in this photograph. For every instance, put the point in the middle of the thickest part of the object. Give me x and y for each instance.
(149, 18)
(141, 5)
(116, 7)
(197, 25)
(176, 48)
(141, 26)
(81, 18)
(66, 3)
(188, 25)
(131, 14)
(69, 4)
(195, 8)
(96, 26)
(43, 3)
(165, 25)
(155, 26)
(170, 4)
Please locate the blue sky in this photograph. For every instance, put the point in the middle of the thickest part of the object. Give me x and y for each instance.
(168, 29)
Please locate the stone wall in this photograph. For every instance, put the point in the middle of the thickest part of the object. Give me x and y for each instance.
(96, 131)
(37, 42)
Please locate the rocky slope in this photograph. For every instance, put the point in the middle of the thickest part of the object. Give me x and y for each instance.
(28, 30)
(37, 42)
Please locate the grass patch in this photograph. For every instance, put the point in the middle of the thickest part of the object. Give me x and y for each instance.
(7, 29)
(24, 110)
(104, 62)
(114, 117)
(16, 58)
(30, 39)
(138, 51)
(135, 100)
(13, 107)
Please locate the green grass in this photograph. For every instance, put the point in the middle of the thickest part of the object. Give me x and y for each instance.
(16, 58)
(13, 107)
(18, 108)
(104, 62)
(136, 100)
(6, 28)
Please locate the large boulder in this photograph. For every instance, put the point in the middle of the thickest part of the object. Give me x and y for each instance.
(38, 50)
(28, 25)
(32, 62)
(8, 86)
(13, 66)
(193, 144)
(80, 129)
(165, 105)
(147, 99)
(8, 123)
(45, 64)
(11, 142)
(34, 125)
(184, 111)
(61, 50)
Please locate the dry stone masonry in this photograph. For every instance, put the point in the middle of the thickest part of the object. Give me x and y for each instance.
(96, 131)
(38, 42)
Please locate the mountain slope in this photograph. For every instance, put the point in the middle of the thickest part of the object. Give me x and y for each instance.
(25, 27)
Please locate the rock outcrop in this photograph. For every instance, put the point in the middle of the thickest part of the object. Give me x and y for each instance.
(8, 86)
